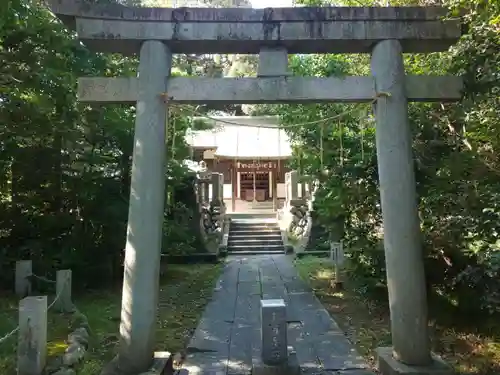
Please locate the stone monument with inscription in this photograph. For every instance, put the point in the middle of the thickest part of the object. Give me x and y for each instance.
(276, 357)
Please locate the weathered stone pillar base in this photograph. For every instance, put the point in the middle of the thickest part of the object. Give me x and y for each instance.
(290, 367)
(388, 365)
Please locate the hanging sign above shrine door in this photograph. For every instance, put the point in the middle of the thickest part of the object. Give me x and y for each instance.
(250, 166)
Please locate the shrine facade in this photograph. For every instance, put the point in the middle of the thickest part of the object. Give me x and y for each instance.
(251, 153)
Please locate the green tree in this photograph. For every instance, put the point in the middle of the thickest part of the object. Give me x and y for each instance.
(65, 167)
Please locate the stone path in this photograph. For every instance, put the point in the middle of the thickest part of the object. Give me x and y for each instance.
(228, 335)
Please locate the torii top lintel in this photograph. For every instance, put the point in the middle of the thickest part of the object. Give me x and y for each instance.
(118, 28)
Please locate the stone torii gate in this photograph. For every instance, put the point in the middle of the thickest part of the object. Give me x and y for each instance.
(157, 33)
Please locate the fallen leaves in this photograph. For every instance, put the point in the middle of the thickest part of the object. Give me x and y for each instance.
(366, 322)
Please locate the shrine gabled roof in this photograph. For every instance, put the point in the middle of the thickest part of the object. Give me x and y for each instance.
(246, 137)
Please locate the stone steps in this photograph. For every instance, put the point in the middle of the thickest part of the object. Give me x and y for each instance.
(251, 232)
(269, 236)
(251, 225)
(254, 236)
(255, 242)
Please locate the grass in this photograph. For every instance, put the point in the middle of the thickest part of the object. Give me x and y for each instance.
(471, 346)
(184, 292)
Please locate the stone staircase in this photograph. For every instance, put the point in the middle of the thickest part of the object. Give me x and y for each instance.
(254, 236)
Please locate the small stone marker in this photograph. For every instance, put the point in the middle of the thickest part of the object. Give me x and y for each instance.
(274, 343)
(275, 358)
(23, 283)
(32, 342)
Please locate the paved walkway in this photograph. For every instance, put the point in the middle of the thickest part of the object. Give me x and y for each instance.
(228, 335)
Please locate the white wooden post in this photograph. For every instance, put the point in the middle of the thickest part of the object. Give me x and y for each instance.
(24, 269)
(32, 341)
(337, 257)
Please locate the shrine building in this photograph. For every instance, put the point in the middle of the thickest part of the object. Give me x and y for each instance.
(251, 152)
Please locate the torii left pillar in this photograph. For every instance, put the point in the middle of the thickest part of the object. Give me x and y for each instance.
(145, 218)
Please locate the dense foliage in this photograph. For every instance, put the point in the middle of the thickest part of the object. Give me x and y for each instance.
(456, 160)
(65, 167)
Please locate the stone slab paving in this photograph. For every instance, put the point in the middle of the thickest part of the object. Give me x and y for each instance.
(228, 335)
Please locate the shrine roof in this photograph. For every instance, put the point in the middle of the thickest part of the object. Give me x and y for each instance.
(246, 137)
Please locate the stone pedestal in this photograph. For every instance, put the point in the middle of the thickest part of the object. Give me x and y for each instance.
(145, 218)
(402, 240)
(217, 188)
(291, 185)
(206, 191)
(389, 366)
(289, 367)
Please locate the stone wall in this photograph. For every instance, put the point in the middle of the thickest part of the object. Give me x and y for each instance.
(296, 218)
(74, 355)
(211, 211)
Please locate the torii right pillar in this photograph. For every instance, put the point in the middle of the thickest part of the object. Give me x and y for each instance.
(410, 353)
